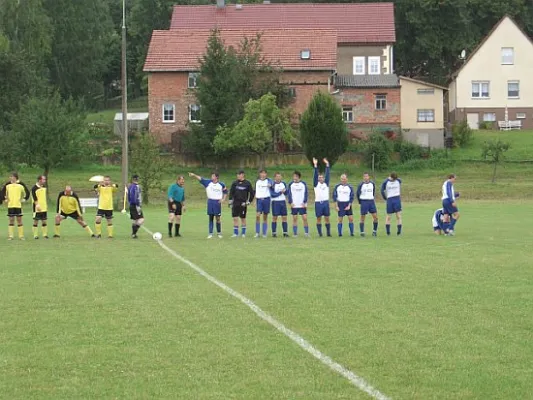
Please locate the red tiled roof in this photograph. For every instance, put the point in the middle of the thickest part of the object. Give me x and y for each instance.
(354, 23)
(180, 50)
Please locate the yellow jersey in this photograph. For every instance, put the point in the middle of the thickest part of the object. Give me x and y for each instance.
(38, 195)
(15, 192)
(105, 196)
(68, 203)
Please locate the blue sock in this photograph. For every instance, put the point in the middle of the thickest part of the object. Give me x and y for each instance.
(328, 229)
(210, 227)
(350, 224)
(257, 227)
(235, 230)
(243, 230)
(339, 228)
(295, 230)
(219, 228)
(399, 229)
(319, 229)
(306, 230)
(285, 227)
(362, 227)
(265, 228)
(446, 226)
(452, 224)
(375, 226)
(274, 227)
(387, 228)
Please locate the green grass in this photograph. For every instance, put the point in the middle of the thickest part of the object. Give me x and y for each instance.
(418, 316)
(521, 145)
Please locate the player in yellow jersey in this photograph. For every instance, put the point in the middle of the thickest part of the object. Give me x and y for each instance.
(15, 194)
(105, 192)
(40, 207)
(68, 206)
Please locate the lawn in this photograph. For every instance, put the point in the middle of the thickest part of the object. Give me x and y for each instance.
(416, 316)
(521, 145)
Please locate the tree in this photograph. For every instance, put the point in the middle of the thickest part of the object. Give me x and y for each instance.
(49, 132)
(263, 128)
(146, 161)
(322, 129)
(495, 151)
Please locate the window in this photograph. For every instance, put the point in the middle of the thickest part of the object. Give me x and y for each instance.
(169, 111)
(373, 65)
(480, 90)
(358, 65)
(513, 89)
(425, 91)
(381, 101)
(194, 113)
(520, 115)
(507, 55)
(347, 114)
(305, 54)
(291, 92)
(193, 79)
(489, 117)
(426, 115)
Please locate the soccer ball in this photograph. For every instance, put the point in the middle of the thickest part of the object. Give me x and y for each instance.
(157, 236)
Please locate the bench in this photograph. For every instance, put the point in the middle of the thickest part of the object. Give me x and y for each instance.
(88, 202)
(509, 125)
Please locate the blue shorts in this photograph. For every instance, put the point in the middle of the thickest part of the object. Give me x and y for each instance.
(299, 211)
(448, 208)
(214, 207)
(322, 209)
(342, 205)
(279, 208)
(263, 206)
(394, 205)
(368, 207)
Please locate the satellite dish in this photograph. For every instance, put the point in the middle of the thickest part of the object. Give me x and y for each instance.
(463, 54)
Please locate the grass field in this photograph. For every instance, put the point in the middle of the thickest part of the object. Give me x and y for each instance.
(521, 145)
(418, 316)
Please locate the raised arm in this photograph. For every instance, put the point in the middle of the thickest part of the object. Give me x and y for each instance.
(315, 175)
(326, 173)
(193, 175)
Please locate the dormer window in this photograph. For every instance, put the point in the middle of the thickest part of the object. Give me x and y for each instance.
(305, 54)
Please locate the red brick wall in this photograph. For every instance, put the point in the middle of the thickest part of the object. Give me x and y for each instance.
(306, 85)
(364, 108)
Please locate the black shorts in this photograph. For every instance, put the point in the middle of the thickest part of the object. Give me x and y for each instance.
(239, 211)
(40, 216)
(107, 214)
(178, 210)
(73, 215)
(134, 214)
(14, 212)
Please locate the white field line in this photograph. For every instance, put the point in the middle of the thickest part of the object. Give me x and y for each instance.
(354, 379)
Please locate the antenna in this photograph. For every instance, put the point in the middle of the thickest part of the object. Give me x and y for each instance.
(463, 54)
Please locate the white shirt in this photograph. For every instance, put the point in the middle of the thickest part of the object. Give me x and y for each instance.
(298, 194)
(321, 192)
(343, 193)
(262, 188)
(214, 191)
(448, 191)
(392, 188)
(278, 188)
(367, 191)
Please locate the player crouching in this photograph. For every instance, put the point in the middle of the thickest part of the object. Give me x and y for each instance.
(68, 206)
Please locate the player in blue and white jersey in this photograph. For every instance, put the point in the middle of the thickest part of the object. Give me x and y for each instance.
(321, 186)
(262, 201)
(390, 190)
(343, 196)
(449, 205)
(278, 192)
(297, 195)
(216, 194)
(366, 192)
(438, 221)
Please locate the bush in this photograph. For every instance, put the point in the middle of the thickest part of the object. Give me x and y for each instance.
(409, 151)
(486, 125)
(437, 160)
(462, 134)
(379, 147)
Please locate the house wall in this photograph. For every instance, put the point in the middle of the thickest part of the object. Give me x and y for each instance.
(346, 53)
(485, 65)
(460, 114)
(306, 84)
(411, 102)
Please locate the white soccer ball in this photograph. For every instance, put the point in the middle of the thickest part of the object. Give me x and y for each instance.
(157, 236)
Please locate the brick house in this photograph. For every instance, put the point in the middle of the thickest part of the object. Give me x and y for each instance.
(318, 47)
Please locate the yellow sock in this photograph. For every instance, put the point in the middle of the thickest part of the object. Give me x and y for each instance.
(56, 230)
(110, 230)
(21, 231)
(45, 230)
(11, 231)
(89, 230)
(98, 229)
(35, 231)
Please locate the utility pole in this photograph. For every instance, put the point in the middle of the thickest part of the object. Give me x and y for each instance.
(125, 138)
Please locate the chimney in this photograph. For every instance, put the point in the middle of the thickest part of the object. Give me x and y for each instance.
(221, 4)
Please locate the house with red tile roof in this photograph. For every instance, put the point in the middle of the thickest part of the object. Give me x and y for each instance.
(346, 49)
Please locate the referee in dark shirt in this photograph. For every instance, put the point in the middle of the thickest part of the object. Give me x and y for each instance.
(241, 195)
